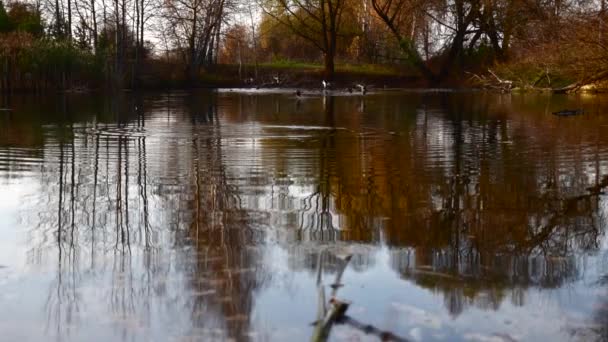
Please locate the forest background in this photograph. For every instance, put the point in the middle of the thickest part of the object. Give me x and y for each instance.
(75, 45)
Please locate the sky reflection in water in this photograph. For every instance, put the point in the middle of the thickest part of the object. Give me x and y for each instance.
(201, 216)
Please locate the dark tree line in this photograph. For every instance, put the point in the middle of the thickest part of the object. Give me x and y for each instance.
(123, 43)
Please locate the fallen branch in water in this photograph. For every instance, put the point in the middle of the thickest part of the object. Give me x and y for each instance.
(505, 84)
(370, 329)
(327, 316)
(335, 312)
(576, 86)
(492, 83)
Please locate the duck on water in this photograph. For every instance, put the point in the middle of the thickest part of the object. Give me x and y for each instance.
(362, 88)
(327, 87)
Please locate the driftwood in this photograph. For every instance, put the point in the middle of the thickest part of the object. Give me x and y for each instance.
(370, 329)
(328, 315)
(493, 83)
(334, 312)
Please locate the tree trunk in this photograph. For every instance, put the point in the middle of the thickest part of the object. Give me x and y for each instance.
(191, 71)
(456, 48)
(58, 20)
(255, 46)
(135, 68)
(328, 59)
(94, 16)
(70, 20)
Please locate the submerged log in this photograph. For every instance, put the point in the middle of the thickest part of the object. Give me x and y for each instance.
(569, 112)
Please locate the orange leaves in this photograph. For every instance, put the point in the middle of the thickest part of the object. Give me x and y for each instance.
(14, 42)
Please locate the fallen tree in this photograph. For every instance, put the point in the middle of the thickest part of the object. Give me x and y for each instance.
(492, 81)
(587, 81)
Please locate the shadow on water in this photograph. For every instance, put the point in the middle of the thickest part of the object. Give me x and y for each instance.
(182, 215)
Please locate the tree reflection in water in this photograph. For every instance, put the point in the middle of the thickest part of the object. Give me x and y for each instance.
(178, 203)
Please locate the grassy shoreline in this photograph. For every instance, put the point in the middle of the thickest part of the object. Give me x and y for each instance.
(160, 75)
(303, 75)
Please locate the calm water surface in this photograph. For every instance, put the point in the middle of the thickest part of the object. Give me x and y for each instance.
(209, 216)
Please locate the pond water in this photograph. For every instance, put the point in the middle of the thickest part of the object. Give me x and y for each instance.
(215, 215)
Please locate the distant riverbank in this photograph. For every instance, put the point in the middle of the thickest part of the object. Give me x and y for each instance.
(161, 75)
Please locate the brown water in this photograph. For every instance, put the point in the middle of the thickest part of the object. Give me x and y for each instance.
(198, 217)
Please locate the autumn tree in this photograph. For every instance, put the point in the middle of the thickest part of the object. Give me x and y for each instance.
(274, 47)
(317, 21)
(22, 17)
(398, 16)
(236, 47)
(565, 53)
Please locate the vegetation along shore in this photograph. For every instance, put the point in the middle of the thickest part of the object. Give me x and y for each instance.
(80, 45)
